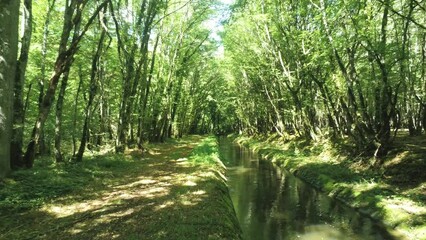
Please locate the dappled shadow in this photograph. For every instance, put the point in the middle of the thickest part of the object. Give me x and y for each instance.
(158, 197)
(405, 167)
(365, 192)
(139, 210)
(407, 173)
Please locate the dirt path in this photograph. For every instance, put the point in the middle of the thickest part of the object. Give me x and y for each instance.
(162, 197)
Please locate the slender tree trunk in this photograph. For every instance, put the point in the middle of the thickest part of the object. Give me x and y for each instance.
(42, 148)
(27, 99)
(16, 160)
(142, 112)
(63, 62)
(383, 135)
(74, 122)
(92, 93)
(58, 121)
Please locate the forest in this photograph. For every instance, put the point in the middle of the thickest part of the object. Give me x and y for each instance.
(80, 76)
(126, 72)
(108, 73)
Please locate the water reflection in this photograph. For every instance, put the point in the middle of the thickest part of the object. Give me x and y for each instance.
(273, 204)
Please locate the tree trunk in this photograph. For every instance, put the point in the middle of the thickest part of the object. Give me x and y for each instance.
(42, 148)
(74, 121)
(58, 120)
(9, 17)
(92, 94)
(16, 160)
(383, 135)
(72, 19)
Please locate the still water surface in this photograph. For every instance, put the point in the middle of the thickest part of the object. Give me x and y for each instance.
(273, 204)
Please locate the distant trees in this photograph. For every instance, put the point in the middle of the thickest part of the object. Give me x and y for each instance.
(347, 69)
(120, 73)
(67, 49)
(116, 73)
(9, 16)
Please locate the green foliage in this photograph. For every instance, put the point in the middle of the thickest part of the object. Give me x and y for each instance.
(206, 153)
(157, 75)
(333, 68)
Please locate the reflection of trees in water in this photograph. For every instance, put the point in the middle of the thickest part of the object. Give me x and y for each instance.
(273, 204)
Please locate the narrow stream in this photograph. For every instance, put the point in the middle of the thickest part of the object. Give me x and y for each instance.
(273, 204)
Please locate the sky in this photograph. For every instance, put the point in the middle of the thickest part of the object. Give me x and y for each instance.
(229, 2)
(214, 24)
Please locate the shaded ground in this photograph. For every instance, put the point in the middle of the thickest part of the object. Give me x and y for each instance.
(394, 194)
(406, 165)
(159, 196)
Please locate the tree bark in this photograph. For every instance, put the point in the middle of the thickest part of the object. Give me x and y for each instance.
(74, 121)
(42, 148)
(58, 120)
(16, 160)
(9, 17)
(92, 93)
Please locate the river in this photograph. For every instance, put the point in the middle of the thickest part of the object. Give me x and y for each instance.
(271, 203)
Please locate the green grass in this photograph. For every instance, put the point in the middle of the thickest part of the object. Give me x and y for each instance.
(323, 165)
(47, 181)
(169, 193)
(206, 153)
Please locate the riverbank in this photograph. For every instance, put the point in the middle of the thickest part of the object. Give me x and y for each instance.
(175, 191)
(394, 195)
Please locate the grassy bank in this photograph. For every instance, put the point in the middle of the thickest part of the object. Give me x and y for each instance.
(394, 195)
(175, 191)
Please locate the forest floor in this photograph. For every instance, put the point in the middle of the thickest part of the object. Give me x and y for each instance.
(394, 195)
(167, 193)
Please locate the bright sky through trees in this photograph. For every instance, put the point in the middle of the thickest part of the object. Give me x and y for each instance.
(215, 23)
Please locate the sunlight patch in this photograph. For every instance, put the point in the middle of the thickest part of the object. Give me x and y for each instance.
(182, 161)
(61, 211)
(397, 159)
(207, 174)
(145, 181)
(75, 231)
(188, 203)
(154, 192)
(190, 183)
(166, 178)
(199, 192)
(114, 215)
(136, 183)
(406, 205)
(164, 205)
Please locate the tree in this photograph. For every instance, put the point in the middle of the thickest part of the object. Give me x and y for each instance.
(152, 67)
(16, 160)
(9, 16)
(65, 57)
(350, 69)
